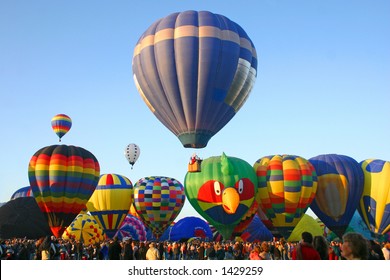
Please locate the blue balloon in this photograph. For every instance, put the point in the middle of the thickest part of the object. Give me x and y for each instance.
(186, 228)
(22, 192)
(194, 70)
(256, 230)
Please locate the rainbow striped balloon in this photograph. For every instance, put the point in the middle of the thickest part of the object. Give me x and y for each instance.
(62, 179)
(111, 201)
(287, 185)
(158, 201)
(61, 124)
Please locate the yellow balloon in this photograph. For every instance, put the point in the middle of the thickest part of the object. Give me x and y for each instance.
(110, 202)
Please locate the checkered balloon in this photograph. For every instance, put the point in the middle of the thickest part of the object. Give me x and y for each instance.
(158, 201)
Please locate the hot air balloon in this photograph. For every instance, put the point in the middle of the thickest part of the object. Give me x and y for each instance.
(374, 205)
(222, 192)
(194, 70)
(22, 192)
(256, 231)
(287, 186)
(189, 227)
(340, 186)
(355, 225)
(132, 152)
(133, 228)
(158, 200)
(62, 179)
(110, 202)
(21, 217)
(61, 124)
(84, 228)
(246, 220)
(307, 223)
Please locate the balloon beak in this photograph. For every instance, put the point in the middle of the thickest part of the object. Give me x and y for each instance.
(230, 200)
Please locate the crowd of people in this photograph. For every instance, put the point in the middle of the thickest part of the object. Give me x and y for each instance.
(353, 246)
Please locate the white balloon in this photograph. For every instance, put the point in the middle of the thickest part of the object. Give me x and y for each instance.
(132, 152)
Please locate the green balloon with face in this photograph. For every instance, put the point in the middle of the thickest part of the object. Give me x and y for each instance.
(222, 192)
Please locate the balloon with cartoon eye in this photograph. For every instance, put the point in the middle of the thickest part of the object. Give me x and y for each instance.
(222, 192)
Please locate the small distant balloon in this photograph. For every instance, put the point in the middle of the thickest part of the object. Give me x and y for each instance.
(61, 124)
(132, 152)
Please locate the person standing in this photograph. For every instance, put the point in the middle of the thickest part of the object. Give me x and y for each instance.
(220, 252)
(45, 248)
(152, 253)
(127, 250)
(305, 250)
(255, 253)
(114, 249)
(322, 247)
(201, 251)
(265, 254)
(142, 251)
(354, 247)
(386, 251)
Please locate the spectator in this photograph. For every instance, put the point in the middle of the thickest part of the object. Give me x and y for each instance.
(152, 253)
(265, 254)
(127, 250)
(114, 249)
(255, 253)
(354, 247)
(386, 251)
(305, 250)
(322, 247)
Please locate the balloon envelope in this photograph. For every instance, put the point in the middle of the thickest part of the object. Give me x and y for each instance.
(256, 231)
(61, 124)
(62, 179)
(223, 192)
(22, 192)
(374, 205)
(194, 70)
(133, 228)
(21, 217)
(307, 223)
(287, 186)
(132, 152)
(158, 200)
(189, 227)
(84, 228)
(110, 202)
(340, 187)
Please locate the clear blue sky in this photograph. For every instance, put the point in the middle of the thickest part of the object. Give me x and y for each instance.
(323, 83)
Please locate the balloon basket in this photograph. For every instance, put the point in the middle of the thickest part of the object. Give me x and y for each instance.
(195, 167)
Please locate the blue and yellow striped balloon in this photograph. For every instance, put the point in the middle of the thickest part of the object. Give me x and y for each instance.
(194, 70)
(340, 187)
(110, 202)
(374, 206)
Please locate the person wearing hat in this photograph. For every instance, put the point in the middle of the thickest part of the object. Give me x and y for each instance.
(152, 253)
